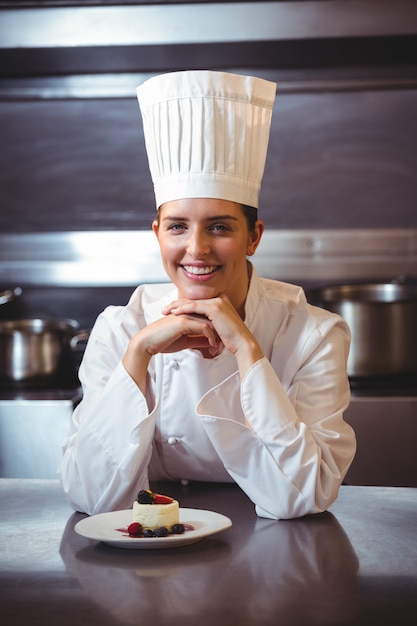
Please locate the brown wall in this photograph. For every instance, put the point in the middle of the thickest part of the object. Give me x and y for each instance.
(341, 159)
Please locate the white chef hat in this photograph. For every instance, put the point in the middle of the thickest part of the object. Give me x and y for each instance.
(206, 134)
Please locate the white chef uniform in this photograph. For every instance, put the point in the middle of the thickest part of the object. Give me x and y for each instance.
(279, 434)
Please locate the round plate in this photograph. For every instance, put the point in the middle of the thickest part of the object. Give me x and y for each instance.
(107, 527)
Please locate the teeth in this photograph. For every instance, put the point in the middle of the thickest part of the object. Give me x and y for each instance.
(191, 269)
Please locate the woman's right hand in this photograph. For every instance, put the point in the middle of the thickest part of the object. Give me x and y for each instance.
(171, 333)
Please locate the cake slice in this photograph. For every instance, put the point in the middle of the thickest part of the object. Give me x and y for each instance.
(154, 510)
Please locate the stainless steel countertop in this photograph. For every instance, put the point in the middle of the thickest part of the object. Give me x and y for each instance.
(354, 565)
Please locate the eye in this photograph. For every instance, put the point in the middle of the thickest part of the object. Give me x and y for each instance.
(220, 228)
(176, 227)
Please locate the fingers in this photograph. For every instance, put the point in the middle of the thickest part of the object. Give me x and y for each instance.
(200, 341)
(181, 308)
(197, 308)
(218, 313)
(179, 332)
(195, 329)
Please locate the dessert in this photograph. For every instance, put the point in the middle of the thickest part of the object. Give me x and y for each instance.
(155, 515)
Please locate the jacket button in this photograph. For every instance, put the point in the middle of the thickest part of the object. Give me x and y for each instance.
(172, 440)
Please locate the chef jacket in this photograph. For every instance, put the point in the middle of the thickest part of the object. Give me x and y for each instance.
(279, 433)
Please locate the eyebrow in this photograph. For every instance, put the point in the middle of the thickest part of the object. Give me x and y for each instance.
(216, 218)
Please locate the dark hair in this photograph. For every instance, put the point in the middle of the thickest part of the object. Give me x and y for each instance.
(250, 212)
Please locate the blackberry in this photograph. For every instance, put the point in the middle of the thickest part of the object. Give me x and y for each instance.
(145, 497)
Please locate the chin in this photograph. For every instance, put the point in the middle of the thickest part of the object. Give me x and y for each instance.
(198, 292)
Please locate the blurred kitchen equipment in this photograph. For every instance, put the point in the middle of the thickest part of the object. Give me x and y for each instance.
(383, 322)
(9, 295)
(39, 352)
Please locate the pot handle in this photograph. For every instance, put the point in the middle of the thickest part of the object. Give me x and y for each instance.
(82, 335)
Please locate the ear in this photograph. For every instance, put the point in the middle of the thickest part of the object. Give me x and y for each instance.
(155, 227)
(255, 238)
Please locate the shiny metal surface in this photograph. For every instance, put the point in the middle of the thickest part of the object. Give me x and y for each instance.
(37, 351)
(353, 566)
(123, 84)
(202, 23)
(386, 432)
(383, 322)
(120, 258)
(32, 433)
(374, 293)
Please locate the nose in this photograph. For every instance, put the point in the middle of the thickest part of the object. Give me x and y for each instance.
(198, 244)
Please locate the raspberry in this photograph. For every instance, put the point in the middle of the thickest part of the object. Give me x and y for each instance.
(134, 529)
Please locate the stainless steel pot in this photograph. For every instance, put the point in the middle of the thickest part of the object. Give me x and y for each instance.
(383, 322)
(39, 352)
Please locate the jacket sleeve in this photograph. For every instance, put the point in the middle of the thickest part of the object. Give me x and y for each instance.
(293, 450)
(110, 443)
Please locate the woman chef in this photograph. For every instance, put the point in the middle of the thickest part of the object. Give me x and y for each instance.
(219, 375)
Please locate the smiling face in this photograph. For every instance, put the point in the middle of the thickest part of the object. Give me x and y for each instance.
(204, 244)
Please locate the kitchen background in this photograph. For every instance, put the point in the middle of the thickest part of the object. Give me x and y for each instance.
(339, 196)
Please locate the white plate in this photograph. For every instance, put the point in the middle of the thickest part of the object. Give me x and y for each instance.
(104, 527)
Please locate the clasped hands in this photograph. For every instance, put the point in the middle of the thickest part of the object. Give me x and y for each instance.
(208, 325)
